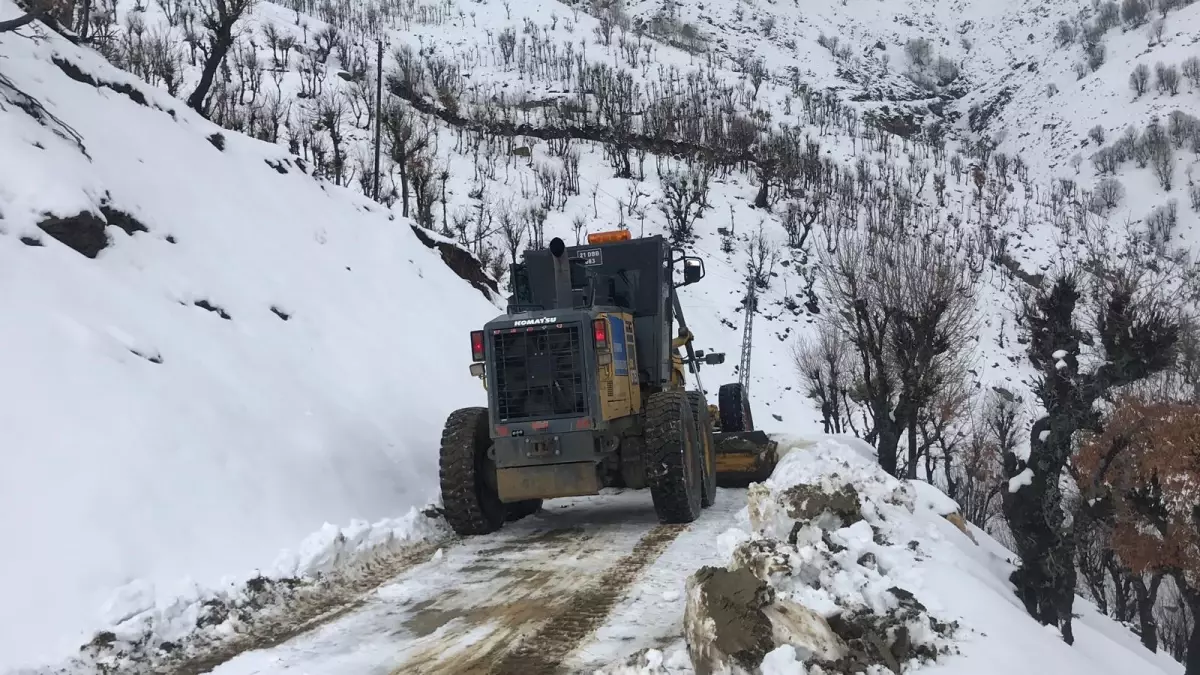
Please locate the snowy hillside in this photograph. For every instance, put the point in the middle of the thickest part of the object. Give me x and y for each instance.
(490, 108)
(1071, 110)
(251, 348)
(242, 354)
(491, 111)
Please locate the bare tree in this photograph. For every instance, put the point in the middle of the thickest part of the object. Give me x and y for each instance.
(1166, 78)
(851, 274)
(1156, 30)
(406, 137)
(1157, 148)
(798, 220)
(1135, 12)
(1191, 70)
(535, 219)
(421, 172)
(825, 373)
(1139, 79)
(762, 255)
(330, 114)
(1108, 193)
(512, 229)
(684, 200)
(975, 479)
(219, 17)
(931, 298)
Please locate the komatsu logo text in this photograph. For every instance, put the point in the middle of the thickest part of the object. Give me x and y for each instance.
(535, 322)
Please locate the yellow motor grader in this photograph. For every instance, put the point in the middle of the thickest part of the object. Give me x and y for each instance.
(587, 389)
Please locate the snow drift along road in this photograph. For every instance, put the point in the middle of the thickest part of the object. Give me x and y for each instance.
(894, 535)
(270, 354)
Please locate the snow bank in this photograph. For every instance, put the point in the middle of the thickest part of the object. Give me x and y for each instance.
(148, 632)
(249, 355)
(836, 536)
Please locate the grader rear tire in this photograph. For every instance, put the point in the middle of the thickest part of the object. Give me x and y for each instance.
(675, 466)
(708, 448)
(469, 499)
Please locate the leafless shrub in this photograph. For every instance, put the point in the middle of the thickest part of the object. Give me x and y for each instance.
(826, 373)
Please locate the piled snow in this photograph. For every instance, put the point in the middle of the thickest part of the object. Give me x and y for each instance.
(147, 632)
(904, 542)
(156, 446)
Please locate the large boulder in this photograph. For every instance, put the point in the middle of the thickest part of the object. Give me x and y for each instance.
(733, 620)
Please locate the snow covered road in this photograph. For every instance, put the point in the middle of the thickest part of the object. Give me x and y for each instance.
(584, 585)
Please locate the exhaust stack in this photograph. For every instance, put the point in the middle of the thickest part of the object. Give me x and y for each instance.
(562, 275)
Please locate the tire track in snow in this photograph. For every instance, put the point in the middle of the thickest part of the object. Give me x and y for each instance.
(528, 626)
(543, 652)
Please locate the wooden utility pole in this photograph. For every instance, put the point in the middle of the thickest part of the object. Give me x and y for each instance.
(378, 109)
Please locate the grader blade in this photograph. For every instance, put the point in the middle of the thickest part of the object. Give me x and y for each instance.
(744, 457)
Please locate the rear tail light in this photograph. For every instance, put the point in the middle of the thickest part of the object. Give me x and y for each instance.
(600, 333)
(476, 345)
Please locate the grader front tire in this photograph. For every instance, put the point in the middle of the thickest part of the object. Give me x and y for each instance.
(675, 463)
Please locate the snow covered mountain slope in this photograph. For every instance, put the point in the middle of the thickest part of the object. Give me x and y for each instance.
(1066, 106)
(243, 354)
(265, 428)
(960, 71)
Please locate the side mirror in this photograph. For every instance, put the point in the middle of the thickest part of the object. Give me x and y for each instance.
(693, 270)
(714, 359)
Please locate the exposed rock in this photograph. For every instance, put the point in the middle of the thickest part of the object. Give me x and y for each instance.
(76, 73)
(83, 233)
(802, 536)
(733, 619)
(461, 262)
(805, 630)
(884, 639)
(808, 502)
(123, 220)
(219, 311)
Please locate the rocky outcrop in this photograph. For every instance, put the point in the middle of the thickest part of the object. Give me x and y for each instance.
(83, 233)
(461, 262)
